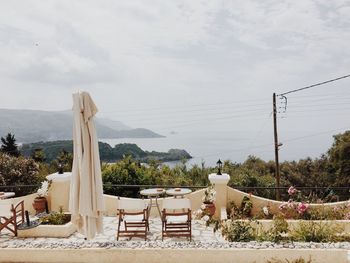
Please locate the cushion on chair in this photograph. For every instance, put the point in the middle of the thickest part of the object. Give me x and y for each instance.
(177, 219)
(132, 204)
(176, 203)
(133, 218)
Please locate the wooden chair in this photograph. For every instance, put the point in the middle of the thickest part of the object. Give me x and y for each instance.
(134, 213)
(11, 216)
(176, 218)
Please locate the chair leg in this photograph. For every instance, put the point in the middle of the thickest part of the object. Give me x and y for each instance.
(118, 229)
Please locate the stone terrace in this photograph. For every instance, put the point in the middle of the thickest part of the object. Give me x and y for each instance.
(200, 233)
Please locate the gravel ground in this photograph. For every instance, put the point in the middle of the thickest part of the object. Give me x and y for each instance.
(51, 244)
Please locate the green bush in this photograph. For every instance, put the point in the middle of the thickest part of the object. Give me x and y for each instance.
(55, 218)
(238, 231)
(312, 231)
(244, 211)
(278, 232)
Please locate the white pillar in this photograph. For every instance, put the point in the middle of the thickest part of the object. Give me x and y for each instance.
(220, 185)
(59, 191)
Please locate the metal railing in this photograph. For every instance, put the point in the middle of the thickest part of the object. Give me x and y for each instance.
(341, 193)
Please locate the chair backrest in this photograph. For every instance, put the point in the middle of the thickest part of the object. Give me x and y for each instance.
(5, 206)
(132, 204)
(176, 203)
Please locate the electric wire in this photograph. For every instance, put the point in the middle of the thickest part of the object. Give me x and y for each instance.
(314, 85)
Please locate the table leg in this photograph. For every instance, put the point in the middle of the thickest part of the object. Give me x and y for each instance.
(158, 207)
(150, 205)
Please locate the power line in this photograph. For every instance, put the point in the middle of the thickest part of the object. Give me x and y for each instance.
(314, 85)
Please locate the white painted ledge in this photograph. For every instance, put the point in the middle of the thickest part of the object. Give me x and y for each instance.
(56, 177)
(219, 179)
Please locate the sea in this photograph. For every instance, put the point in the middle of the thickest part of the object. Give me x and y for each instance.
(209, 147)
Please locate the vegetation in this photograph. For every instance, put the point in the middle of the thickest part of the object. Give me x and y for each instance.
(55, 218)
(19, 171)
(238, 231)
(130, 172)
(311, 231)
(9, 145)
(48, 152)
(125, 167)
(306, 231)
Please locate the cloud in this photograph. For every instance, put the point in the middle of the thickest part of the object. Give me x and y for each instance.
(168, 53)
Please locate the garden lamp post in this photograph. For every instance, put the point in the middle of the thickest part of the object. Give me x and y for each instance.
(219, 164)
(60, 168)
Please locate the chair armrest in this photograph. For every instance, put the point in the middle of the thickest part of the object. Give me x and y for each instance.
(18, 209)
(19, 205)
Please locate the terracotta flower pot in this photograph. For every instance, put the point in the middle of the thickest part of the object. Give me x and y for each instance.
(210, 208)
(40, 204)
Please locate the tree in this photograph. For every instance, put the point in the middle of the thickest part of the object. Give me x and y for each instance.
(339, 158)
(38, 155)
(9, 145)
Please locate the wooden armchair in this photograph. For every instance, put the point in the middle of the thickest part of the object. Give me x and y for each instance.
(134, 213)
(11, 216)
(176, 218)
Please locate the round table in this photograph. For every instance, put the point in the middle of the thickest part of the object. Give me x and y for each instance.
(7, 195)
(178, 192)
(153, 194)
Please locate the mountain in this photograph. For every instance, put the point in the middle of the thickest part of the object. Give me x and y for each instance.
(115, 125)
(34, 126)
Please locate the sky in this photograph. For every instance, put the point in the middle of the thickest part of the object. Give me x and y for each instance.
(181, 65)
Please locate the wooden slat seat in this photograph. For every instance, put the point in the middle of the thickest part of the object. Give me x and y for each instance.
(134, 214)
(176, 218)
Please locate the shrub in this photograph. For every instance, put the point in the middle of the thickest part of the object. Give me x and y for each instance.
(246, 206)
(311, 231)
(277, 232)
(238, 231)
(19, 171)
(339, 212)
(55, 218)
(243, 211)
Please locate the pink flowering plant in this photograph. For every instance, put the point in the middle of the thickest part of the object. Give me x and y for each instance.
(295, 208)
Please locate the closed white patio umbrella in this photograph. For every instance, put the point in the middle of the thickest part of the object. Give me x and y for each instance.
(86, 191)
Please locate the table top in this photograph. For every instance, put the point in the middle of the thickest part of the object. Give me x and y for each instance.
(153, 191)
(6, 195)
(178, 191)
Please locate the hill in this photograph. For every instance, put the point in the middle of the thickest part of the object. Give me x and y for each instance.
(107, 153)
(34, 126)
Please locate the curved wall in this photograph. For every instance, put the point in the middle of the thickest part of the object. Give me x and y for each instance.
(259, 202)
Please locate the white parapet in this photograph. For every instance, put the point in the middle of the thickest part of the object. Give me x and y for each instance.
(56, 177)
(220, 185)
(219, 178)
(59, 191)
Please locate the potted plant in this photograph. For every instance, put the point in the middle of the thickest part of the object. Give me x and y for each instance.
(40, 202)
(209, 199)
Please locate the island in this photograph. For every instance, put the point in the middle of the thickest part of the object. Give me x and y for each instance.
(108, 154)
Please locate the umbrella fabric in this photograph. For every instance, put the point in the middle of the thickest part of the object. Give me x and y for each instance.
(86, 192)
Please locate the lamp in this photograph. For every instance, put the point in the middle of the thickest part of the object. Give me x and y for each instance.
(219, 163)
(60, 168)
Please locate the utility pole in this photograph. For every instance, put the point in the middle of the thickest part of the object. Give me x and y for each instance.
(277, 172)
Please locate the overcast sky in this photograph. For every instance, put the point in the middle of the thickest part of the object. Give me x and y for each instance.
(180, 65)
